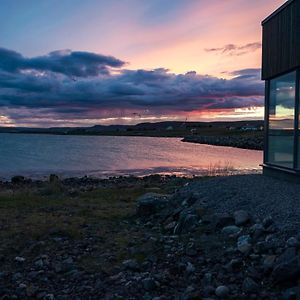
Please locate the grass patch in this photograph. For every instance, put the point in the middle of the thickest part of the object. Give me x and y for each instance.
(33, 217)
(30, 215)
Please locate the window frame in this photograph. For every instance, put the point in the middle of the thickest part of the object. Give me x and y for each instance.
(296, 155)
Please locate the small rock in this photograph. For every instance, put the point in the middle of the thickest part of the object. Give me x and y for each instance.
(186, 223)
(68, 261)
(222, 291)
(41, 295)
(170, 226)
(230, 230)
(286, 271)
(190, 268)
(149, 284)
(131, 264)
(272, 228)
(208, 219)
(31, 291)
(241, 217)
(269, 262)
(191, 250)
(234, 265)
(250, 286)
(257, 231)
(39, 263)
(291, 293)
(188, 294)
(267, 222)
(16, 276)
(293, 242)
(287, 255)
(208, 291)
(58, 267)
(244, 243)
(223, 219)
(254, 273)
(22, 286)
(207, 279)
(20, 259)
(266, 246)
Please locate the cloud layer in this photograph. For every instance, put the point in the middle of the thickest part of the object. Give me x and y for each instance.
(67, 85)
(66, 62)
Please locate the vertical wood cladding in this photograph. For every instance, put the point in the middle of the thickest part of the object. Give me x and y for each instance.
(281, 41)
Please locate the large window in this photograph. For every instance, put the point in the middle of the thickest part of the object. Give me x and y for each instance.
(281, 120)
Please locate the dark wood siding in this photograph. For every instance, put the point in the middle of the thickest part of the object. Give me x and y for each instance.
(281, 41)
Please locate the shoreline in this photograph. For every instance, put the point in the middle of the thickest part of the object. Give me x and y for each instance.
(241, 142)
(217, 170)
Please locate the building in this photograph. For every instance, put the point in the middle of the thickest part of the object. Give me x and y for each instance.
(281, 72)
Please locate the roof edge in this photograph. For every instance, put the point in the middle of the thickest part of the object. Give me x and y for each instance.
(277, 11)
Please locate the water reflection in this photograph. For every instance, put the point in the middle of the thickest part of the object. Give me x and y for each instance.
(105, 156)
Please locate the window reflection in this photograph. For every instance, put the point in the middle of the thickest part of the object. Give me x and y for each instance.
(281, 120)
(282, 102)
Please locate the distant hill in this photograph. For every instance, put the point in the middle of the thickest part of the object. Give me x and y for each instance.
(169, 128)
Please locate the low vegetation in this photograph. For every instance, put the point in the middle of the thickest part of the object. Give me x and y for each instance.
(34, 215)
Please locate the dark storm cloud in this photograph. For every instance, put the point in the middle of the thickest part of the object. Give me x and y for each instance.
(160, 91)
(235, 50)
(67, 62)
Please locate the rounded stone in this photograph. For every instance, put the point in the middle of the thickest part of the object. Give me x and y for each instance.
(232, 229)
(241, 217)
(222, 291)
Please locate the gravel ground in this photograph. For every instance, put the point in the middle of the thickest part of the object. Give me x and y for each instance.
(259, 195)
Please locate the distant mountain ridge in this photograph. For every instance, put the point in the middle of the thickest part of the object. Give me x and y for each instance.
(158, 126)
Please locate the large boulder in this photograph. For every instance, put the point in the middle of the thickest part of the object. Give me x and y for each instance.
(151, 203)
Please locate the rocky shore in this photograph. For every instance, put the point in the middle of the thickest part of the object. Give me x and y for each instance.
(153, 238)
(252, 142)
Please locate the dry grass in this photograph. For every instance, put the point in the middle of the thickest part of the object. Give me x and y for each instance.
(27, 216)
(220, 169)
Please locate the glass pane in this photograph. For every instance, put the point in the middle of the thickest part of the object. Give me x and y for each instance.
(281, 120)
(281, 150)
(282, 102)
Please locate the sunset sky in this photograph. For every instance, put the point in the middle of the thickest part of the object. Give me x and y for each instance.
(80, 63)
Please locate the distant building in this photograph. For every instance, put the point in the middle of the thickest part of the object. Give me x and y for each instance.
(281, 72)
(250, 128)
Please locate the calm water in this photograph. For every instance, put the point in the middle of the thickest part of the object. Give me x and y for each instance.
(39, 155)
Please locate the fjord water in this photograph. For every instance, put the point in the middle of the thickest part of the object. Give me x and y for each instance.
(38, 155)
